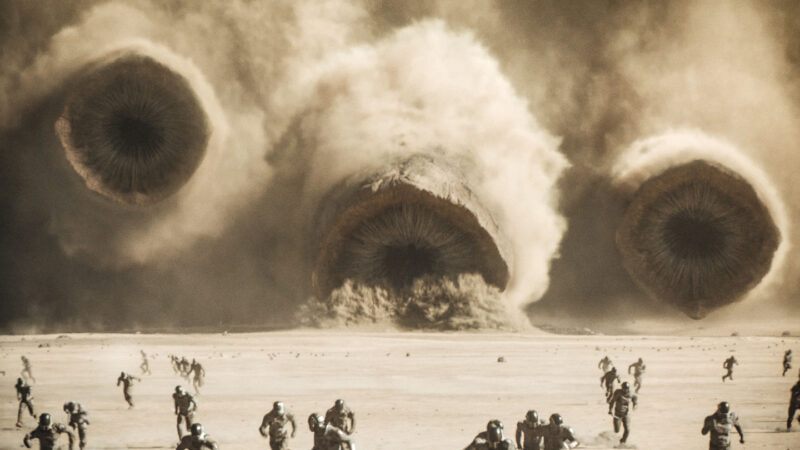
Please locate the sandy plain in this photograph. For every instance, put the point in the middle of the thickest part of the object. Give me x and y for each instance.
(408, 390)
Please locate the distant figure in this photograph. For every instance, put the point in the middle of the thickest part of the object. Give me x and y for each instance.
(620, 404)
(720, 424)
(26, 371)
(185, 407)
(529, 432)
(127, 386)
(78, 420)
(492, 438)
(47, 433)
(197, 440)
(275, 427)
(145, 365)
(558, 436)
(199, 375)
(176, 365)
(25, 399)
(638, 370)
(605, 364)
(185, 367)
(787, 361)
(341, 417)
(608, 380)
(728, 365)
(327, 436)
(794, 404)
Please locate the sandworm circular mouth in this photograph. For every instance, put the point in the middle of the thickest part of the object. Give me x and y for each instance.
(397, 230)
(698, 237)
(133, 129)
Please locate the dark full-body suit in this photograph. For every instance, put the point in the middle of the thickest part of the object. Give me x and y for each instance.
(728, 365)
(787, 362)
(127, 387)
(275, 425)
(607, 381)
(342, 418)
(328, 437)
(605, 364)
(794, 404)
(48, 436)
(185, 407)
(621, 404)
(190, 442)
(720, 425)
(492, 438)
(79, 420)
(556, 437)
(529, 435)
(25, 401)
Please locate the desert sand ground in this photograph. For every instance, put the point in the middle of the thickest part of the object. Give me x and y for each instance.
(408, 390)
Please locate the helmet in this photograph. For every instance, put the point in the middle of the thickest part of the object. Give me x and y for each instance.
(122, 374)
(20, 382)
(626, 386)
(278, 407)
(556, 419)
(197, 429)
(315, 421)
(179, 389)
(494, 430)
(723, 408)
(69, 406)
(640, 360)
(45, 420)
(532, 416)
(339, 404)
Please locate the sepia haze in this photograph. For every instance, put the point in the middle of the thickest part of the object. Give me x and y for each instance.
(364, 161)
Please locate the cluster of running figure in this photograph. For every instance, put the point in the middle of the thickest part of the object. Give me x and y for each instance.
(333, 430)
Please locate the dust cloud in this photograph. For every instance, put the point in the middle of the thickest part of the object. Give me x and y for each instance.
(536, 114)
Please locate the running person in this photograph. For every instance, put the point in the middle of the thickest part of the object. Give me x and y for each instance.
(47, 433)
(787, 361)
(25, 400)
(728, 365)
(274, 425)
(78, 420)
(26, 371)
(621, 403)
(197, 440)
(341, 416)
(605, 364)
(608, 380)
(529, 432)
(638, 370)
(719, 425)
(127, 381)
(185, 407)
(327, 436)
(794, 404)
(558, 436)
(145, 365)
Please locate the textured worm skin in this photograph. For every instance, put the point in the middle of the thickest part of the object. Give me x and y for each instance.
(415, 218)
(133, 129)
(698, 237)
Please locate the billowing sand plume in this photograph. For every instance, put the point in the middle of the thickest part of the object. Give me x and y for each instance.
(133, 129)
(698, 234)
(422, 179)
